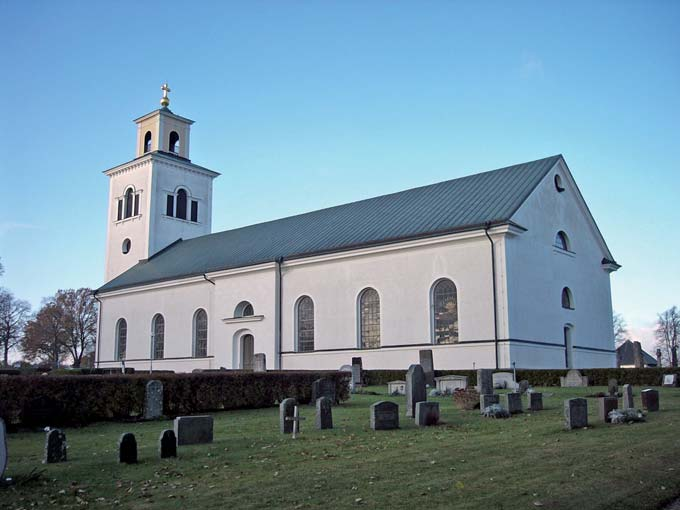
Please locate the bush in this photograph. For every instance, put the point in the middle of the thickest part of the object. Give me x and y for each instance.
(65, 400)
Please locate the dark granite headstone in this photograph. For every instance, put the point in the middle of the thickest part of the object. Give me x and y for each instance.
(153, 400)
(357, 368)
(604, 405)
(486, 400)
(535, 401)
(323, 387)
(427, 414)
(427, 363)
(167, 444)
(324, 413)
(415, 388)
(576, 413)
(127, 448)
(485, 381)
(193, 429)
(384, 415)
(513, 402)
(55, 447)
(650, 399)
(286, 410)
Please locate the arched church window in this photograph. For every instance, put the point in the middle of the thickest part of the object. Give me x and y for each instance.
(444, 299)
(147, 142)
(127, 245)
(181, 204)
(174, 142)
(369, 319)
(121, 339)
(305, 324)
(158, 336)
(558, 184)
(244, 309)
(129, 202)
(562, 241)
(567, 299)
(194, 211)
(200, 334)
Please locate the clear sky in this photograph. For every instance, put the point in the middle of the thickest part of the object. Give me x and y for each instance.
(303, 105)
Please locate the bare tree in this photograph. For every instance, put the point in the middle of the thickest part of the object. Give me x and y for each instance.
(79, 320)
(620, 328)
(668, 334)
(44, 336)
(14, 313)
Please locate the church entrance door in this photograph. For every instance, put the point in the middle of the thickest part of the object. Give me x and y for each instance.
(247, 352)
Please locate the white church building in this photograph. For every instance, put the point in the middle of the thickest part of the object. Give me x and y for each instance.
(500, 267)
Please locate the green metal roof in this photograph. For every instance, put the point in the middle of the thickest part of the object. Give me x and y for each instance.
(452, 206)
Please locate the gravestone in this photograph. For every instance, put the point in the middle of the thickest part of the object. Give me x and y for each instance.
(613, 387)
(427, 363)
(575, 413)
(449, 383)
(485, 381)
(488, 400)
(296, 419)
(286, 410)
(153, 400)
(670, 380)
(55, 447)
(260, 362)
(535, 401)
(3, 449)
(513, 402)
(605, 405)
(415, 388)
(504, 380)
(427, 414)
(384, 415)
(573, 379)
(127, 449)
(650, 399)
(396, 388)
(523, 386)
(324, 413)
(193, 429)
(323, 387)
(167, 444)
(357, 367)
(628, 402)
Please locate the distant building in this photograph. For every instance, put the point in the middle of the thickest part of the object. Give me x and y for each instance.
(489, 270)
(625, 356)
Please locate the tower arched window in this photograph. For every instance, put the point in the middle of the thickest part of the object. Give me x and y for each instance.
(174, 142)
(244, 309)
(369, 319)
(305, 324)
(181, 211)
(200, 334)
(567, 299)
(147, 142)
(562, 241)
(129, 202)
(121, 339)
(158, 336)
(444, 305)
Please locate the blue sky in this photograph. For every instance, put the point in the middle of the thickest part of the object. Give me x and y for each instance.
(302, 105)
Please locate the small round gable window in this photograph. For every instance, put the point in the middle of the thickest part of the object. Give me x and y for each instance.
(127, 244)
(558, 184)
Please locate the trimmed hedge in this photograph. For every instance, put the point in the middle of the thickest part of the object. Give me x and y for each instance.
(596, 376)
(64, 400)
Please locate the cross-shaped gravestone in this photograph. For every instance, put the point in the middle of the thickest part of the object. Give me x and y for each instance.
(296, 418)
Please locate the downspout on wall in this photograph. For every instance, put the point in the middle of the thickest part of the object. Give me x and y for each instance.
(99, 328)
(495, 305)
(279, 316)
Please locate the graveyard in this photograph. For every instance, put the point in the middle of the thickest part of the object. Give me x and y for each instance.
(466, 461)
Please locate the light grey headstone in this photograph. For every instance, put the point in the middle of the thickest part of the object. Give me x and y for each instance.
(485, 381)
(357, 367)
(55, 447)
(167, 444)
(628, 402)
(427, 414)
(427, 363)
(415, 388)
(153, 400)
(323, 387)
(573, 379)
(127, 448)
(488, 400)
(447, 384)
(605, 405)
(513, 402)
(260, 362)
(650, 399)
(535, 401)
(193, 429)
(286, 410)
(504, 380)
(384, 415)
(324, 413)
(670, 380)
(396, 388)
(4, 454)
(575, 413)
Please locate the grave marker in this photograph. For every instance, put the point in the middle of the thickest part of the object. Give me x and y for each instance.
(485, 381)
(427, 414)
(127, 448)
(323, 387)
(260, 362)
(286, 410)
(535, 401)
(324, 413)
(451, 383)
(650, 399)
(55, 447)
(487, 400)
(575, 413)
(295, 420)
(628, 402)
(574, 379)
(605, 405)
(513, 402)
(167, 444)
(415, 388)
(396, 388)
(504, 380)
(153, 400)
(427, 363)
(357, 367)
(193, 429)
(384, 415)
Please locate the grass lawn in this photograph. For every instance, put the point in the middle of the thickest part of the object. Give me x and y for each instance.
(527, 461)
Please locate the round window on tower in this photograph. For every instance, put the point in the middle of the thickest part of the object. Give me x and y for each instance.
(127, 244)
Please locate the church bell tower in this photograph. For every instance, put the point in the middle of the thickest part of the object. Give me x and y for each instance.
(158, 197)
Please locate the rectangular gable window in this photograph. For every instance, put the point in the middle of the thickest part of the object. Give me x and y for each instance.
(194, 211)
(170, 206)
(136, 204)
(120, 210)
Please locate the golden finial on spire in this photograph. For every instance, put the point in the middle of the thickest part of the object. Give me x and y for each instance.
(165, 100)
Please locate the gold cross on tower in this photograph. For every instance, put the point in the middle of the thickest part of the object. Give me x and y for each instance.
(165, 100)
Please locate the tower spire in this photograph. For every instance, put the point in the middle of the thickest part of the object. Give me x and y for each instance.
(165, 100)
